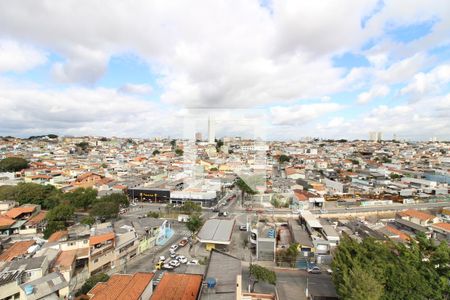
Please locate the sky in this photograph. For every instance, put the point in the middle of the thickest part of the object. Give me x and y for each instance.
(273, 69)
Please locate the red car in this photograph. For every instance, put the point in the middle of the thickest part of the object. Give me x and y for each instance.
(182, 243)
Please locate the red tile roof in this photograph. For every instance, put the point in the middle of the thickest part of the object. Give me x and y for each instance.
(17, 211)
(445, 226)
(6, 222)
(97, 239)
(57, 236)
(175, 286)
(122, 286)
(38, 218)
(400, 233)
(412, 213)
(17, 249)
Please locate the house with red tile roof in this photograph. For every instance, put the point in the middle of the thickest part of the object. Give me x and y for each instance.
(441, 231)
(418, 217)
(124, 286)
(22, 212)
(101, 252)
(16, 250)
(174, 286)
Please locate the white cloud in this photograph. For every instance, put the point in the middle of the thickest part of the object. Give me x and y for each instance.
(428, 83)
(375, 92)
(18, 57)
(301, 114)
(138, 89)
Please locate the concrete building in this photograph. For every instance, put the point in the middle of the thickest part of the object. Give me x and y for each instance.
(211, 130)
(216, 233)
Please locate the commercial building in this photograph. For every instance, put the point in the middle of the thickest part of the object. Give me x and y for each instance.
(216, 233)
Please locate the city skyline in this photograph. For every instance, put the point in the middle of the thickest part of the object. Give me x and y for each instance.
(339, 70)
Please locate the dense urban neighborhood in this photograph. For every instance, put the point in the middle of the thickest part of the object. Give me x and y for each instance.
(231, 218)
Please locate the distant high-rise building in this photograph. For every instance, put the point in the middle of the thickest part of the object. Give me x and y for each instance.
(211, 131)
(198, 136)
(375, 136)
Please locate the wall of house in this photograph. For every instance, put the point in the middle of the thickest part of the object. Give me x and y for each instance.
(9, 290)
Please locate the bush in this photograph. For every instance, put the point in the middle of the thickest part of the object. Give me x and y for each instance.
(91, 282)
(13, 164)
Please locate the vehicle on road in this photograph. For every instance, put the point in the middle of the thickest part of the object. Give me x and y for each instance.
(329, 271)
(174, 263)
(243, 228)
(159, 265)
(193, 262)
(183, 243)
(182, 259)
(222, 214)
(314, 270)
(167, 267)
(173, 254)
(174, 247)
(348, 208)
(162, 258)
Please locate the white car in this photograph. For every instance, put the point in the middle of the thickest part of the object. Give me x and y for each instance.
(182, 259)
(162, 258)
(173, 254)
(193, 262)
(167, 267)
(174, 263)
(174, 247)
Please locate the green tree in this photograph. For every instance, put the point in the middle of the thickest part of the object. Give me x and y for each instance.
(91, 282)
(190, 207)
(244, 187)
(155, 152)
(361, 285)
(259, 273)
(58, 218)
(45, 195)
(289, 255)
(88, 220)
(283, 158)
(13, 164)
(7, 192)
(81, 197)
(194, 223)
(173, 143)
(179, 152)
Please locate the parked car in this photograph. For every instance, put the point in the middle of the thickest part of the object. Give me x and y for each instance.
(183, 243)
(174, 263)
(314, 270)
(243, 228)
(173, 254)
(174, 247)
(162, 258)
(223, 214)
(167, 267)
(182, 259)
(193, 262)
(159, 265)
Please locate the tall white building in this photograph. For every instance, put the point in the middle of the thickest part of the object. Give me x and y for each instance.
(211, 131)
(375, 136)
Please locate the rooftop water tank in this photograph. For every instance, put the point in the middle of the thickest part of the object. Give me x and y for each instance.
(211, 282)
(28, 289)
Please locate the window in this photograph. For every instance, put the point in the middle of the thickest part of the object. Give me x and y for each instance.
(96, 260)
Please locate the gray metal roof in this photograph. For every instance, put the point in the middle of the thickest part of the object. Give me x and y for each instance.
(26, 264)
(216, 231)
(45, 286)
(224, 269)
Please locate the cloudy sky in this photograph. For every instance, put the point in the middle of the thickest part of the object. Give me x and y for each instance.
(332, 69)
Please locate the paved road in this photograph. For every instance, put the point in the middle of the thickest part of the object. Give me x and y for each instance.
(367, 209)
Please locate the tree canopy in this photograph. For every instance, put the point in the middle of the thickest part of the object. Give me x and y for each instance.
(13, 164)
(108, 206)
(91, 282)
(45, 195)
(194, 223)
(190, 207)
(81, 197)
(283, 158)
(260, 273)
(388, 270)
